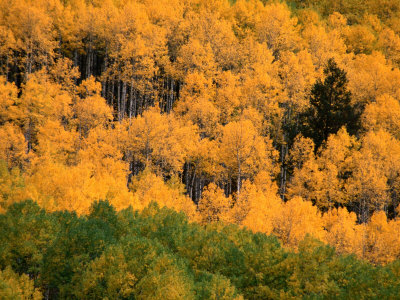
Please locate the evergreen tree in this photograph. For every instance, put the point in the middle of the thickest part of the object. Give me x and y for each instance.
(330, 106)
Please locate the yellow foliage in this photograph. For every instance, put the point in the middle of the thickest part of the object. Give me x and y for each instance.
(205, 158)
(297, 74)
(301, 152)
(382, 243)
(323, 45)
(371, 76)
(13, 147)
(32, 29)
(54, 142)
(148, 187)
(359, 39)
(195, 57)
(92, 110)
(56, 186)
(12, 188)
(296, 219)
(14, 286)
(227, 96)
(214, 205)
(41, 100)
(160, 139)
(307, 181)
(389, 41)
(383, 114)
(277, 28)
(342, 231)
(258, 205)
(8, 99)
(197, 106)
(321, 179)
(376, 172)
(337, 20)
(244, 152)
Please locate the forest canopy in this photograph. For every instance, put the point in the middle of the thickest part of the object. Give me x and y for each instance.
(282, 118)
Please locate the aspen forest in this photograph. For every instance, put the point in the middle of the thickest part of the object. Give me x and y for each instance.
(199, 149)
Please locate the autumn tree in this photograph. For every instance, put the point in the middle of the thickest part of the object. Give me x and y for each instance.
(40, 101)
(214, 205)
(381, 239)
(12, 186)
(33, 35)
(13, 286)
(371, 76)
(244, 152)
(13, 148)
(8, 102)
(342, 231)
(258, 204)
(91, 109)
(384, 114)
(159, 140)
(295, 220)
(322, 178)
(373, 184)
(147, 187)
(277, 28)
(323, 44)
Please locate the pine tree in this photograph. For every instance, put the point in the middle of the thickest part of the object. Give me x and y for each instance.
(330, 106)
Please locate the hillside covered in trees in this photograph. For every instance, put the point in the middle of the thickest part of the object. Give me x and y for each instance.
(157, 254)
(271, 117)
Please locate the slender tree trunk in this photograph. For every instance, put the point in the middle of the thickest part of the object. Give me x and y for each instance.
(284, 149)
(104, 83)
(112, 93)
(186, 169)
(238, 183)
(144, 104)
(88, 63)
(196, 190)
(131, 101)
(6, 71)
(171, 98)
(89, 59)
(239, 174)
(201, 187)
(123, 100)
(192, 183)
(119, 99)
(28, 65)
(75, 59)
(28, 137)
(135, 103)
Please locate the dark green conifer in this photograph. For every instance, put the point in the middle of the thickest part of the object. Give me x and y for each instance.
(330, 106)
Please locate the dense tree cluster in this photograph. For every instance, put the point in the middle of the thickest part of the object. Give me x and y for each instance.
(158, 254)
(284, 119)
